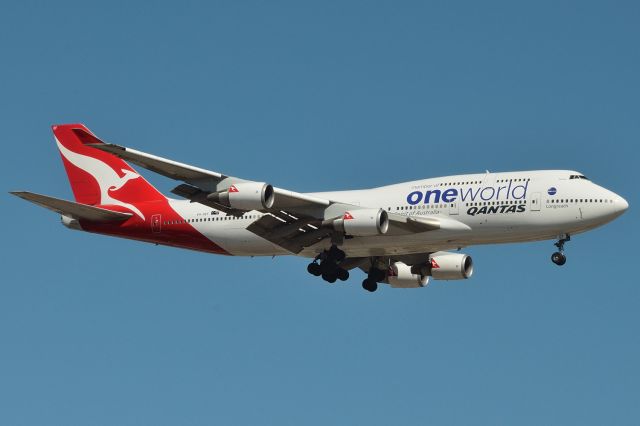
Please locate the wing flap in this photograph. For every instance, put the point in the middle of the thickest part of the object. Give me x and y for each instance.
(73, 209)
(289, 232)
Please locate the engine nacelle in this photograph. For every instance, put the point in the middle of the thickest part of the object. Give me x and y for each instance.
(363, 222)
(70, 222)
(450, 266)
(246, 196)
(402, 276)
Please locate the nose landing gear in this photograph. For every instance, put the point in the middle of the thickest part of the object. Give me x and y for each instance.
(558, 257)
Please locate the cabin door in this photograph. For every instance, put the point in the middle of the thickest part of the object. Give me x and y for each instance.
(156, 223)
(535, 202)
(454, 208)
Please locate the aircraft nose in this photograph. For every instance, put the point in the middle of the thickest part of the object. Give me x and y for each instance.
(621, 204)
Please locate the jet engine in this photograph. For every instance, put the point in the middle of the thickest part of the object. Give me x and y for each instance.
(245, 196)
(70, 222)
(402, 275)
(450, 266)
(362, 223)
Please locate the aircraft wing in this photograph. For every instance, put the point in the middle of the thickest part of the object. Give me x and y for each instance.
(202, 179)
(72, 209)
(295, 233)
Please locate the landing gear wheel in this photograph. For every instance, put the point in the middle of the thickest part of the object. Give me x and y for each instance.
(330, 277)
(343, 274)
(369, 285)
(314, 269)
(558, 258)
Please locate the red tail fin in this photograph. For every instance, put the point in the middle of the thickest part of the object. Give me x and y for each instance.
(97, 177)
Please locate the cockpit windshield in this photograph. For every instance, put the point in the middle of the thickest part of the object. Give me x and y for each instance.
(578, 177)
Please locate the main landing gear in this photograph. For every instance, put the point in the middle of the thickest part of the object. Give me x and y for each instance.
(558, 257)
(328, 266)
(371, 282)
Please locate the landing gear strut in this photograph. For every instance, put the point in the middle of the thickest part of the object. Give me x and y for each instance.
(558, 257)
(326, 265)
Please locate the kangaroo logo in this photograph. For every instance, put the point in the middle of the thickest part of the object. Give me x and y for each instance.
(107, 178)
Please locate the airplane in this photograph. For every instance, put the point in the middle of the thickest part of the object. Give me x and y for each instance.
(402, 234)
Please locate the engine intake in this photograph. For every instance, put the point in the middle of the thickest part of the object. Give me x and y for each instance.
(362, 223)
(450, 266)
(246, 196)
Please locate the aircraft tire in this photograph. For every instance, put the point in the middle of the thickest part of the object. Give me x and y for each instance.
(314, 269)
(369, 285)
(343, 274)
(558, 258)
(330, 277)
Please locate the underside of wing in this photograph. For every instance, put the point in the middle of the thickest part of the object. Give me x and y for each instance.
(290, 232)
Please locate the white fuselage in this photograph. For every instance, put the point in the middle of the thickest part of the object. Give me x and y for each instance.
(498, 207)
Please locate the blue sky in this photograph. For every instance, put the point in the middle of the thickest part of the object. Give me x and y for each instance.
(319, 96)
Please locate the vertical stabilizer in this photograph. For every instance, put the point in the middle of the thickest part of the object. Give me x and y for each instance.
(97, 177)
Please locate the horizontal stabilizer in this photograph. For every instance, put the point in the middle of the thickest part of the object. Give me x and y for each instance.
(72, 209)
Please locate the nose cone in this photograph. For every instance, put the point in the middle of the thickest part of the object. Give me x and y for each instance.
(615, 208)
(621, 205)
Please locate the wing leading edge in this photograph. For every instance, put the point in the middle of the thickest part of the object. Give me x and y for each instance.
(205, 180)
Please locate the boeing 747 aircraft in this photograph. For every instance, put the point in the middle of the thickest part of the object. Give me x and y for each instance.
(400, 234)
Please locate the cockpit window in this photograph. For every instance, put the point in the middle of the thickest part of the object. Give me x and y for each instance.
(578, 177)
